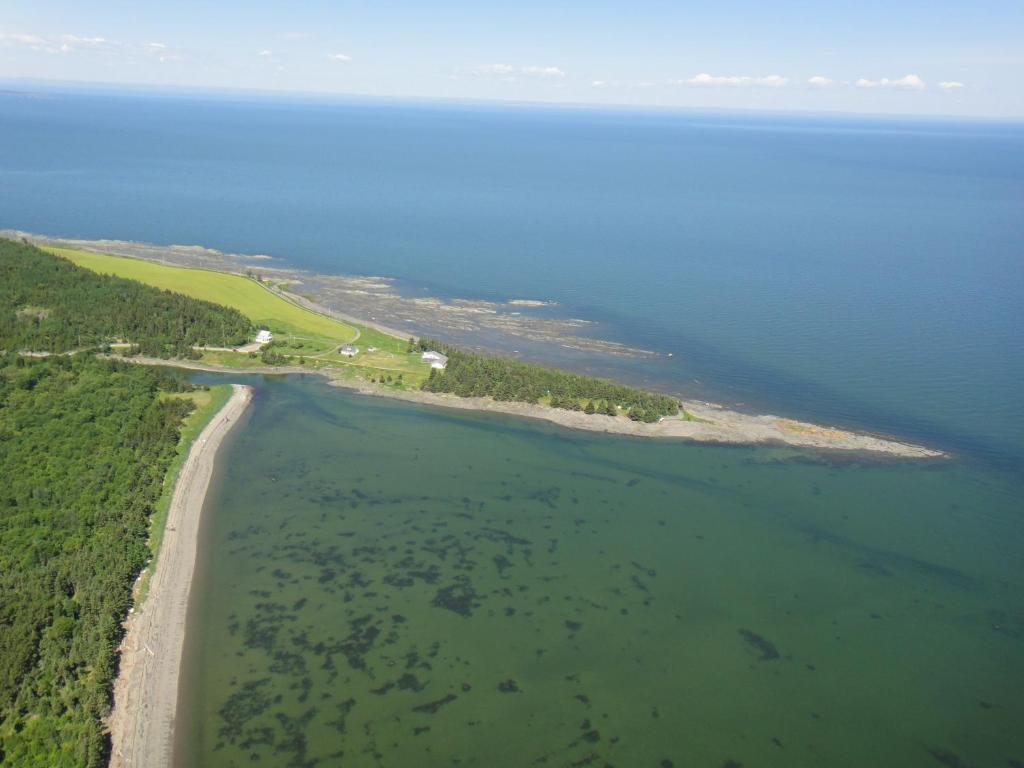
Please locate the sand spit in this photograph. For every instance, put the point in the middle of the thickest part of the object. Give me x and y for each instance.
(711, 424)
(146, 690)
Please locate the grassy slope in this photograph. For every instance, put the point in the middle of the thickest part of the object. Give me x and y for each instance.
(247, 296)
(302, 333)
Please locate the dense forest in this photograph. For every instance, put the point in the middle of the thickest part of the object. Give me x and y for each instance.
(85, 445)
(47, 304)
(84, 448)
(471, 375)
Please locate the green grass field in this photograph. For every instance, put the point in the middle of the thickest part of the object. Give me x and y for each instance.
(253, 300)
(299, 333)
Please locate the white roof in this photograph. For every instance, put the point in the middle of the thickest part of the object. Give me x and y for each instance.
(429, 355)
(264, 335)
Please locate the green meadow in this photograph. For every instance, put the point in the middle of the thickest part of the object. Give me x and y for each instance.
(246, 295)
(308, 337)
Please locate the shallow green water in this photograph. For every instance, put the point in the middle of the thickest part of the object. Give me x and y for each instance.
(383, 584)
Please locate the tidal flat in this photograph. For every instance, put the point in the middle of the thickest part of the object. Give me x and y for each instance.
(381, 583)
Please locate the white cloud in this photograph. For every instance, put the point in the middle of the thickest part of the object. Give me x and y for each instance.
(343, 57)
(769, 81)
(62, 43)
(89, 45)
(544, 72)
(912, 82)
(951, 85)
(599, 83)
(818, 81)
(15, 38)
(510, 73)
(494, 69)
(906, 83)
(265, 53)
(85, 41)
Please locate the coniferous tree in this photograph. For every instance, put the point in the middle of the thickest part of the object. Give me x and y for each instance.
(47, 304)
(472, 375)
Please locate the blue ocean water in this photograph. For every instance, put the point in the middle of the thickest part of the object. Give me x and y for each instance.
(858, 271)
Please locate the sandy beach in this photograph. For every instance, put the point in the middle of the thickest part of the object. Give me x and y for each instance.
(146, 690)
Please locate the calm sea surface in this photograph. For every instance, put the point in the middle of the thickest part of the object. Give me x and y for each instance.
(403, 586)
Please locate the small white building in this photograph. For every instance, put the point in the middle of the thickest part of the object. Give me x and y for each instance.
(348, 349)
(264, 336)
(436, 359)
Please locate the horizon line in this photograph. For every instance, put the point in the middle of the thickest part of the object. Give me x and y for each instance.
(158, 89)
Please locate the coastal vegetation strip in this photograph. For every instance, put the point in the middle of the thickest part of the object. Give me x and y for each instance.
(207, 402)
(472, 375)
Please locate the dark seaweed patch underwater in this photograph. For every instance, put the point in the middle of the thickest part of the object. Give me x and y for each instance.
(429, 589)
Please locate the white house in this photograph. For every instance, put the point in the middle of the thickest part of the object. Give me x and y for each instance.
(436, 359)
(264, 336)
(348, 349)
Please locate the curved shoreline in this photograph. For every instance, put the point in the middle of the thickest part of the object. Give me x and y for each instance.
(141, 722)
(714, 424)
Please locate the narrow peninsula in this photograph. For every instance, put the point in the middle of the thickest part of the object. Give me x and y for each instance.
(301, 336)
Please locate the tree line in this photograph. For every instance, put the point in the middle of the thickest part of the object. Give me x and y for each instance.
(471, 375)
(48, 304)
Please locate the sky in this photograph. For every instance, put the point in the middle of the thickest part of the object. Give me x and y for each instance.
(868, 56)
